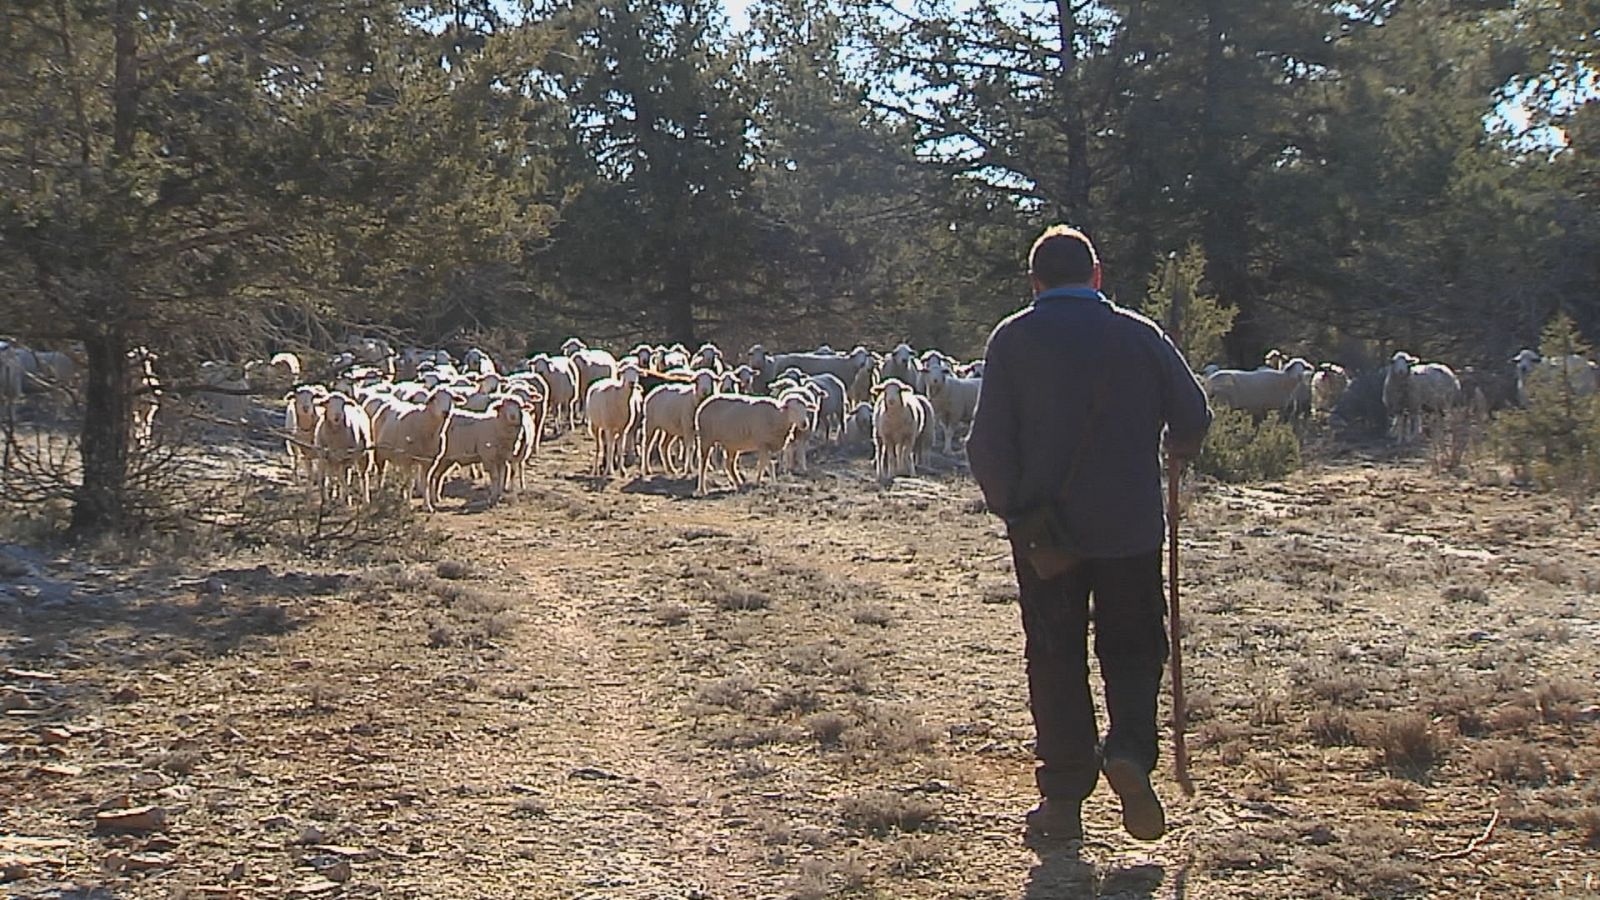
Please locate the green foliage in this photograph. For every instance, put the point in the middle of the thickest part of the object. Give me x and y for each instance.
(1203, 321)
(1238, 449)
(1554, 441)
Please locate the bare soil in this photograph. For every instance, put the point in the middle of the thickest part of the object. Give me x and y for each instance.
(812, 688)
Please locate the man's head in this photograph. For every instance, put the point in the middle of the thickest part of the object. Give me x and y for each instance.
(1063, 256)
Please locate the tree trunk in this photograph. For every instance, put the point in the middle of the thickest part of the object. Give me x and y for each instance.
(678, 298)
(100, 504)
(1069, 102)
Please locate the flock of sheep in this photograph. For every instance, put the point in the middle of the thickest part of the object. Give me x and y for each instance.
(1412, 389)
(423, 413)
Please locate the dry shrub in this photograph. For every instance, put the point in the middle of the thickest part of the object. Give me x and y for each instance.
(828, 728)
(1237, 850)
(1217, 732)
(1559, 700)
(1589, 826)
(911, 856)
(1524, 764)
(880, 812)
(1395, 793)
(1271, 773)
(671, 613)
(1330, 726)
(737, 600)
(1341, 689)
(751, 766)
(1406, 742)
(872, 615)
(794, 700)
(828, 659)
(735, 692)
(453, 569)
(748, 738)
(1461, 593)
(893, 730)
(1268, 710)
(819, 878)
(1513, 719)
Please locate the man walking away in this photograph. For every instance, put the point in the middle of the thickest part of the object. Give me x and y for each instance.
(1076, 394)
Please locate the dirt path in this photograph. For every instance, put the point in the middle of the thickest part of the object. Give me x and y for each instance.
(811, 689)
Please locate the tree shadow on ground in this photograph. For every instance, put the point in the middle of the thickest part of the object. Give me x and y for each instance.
(128, 623)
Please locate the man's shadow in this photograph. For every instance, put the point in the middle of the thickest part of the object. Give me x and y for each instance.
(1064, 874)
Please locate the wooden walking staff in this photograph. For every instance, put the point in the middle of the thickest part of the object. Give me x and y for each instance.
(1180, 708)
(1177, 295)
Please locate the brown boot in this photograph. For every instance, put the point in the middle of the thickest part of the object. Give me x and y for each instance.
(1142, 815)
(1057, 819)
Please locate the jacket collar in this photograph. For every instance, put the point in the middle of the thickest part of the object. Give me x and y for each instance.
(1069, 293)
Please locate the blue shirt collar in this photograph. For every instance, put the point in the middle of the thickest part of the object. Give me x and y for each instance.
(1069, 293)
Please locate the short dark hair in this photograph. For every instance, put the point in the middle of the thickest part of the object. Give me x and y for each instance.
(1062, 255)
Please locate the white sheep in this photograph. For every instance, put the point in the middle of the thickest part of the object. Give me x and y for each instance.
(343, 442)
(488, 439)
(955, 400)
(1327, 387)
(897, 421)
(591, 366)
(300, 425)
(1260, 391)
(793, 456)
(858, 426)
(1578, 373)
(615, 407)
(534, 410)
(707, 357)
(562, 380)
(845, 367)
(1413, 389)
(669, 420)
(410, 436)
(741, 424)
(901, 364)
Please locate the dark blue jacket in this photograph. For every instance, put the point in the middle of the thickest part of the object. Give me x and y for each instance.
(1039, 377)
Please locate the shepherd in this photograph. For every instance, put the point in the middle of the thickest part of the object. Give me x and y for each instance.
(1066, 445)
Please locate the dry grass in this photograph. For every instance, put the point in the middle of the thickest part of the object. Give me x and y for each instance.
(881, 812)
(1406, 742)
(1395, 793)
(827, 729)
(1331, 726)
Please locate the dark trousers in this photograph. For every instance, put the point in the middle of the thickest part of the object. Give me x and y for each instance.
(1130, 640)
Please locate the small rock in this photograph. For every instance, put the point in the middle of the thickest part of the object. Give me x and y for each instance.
(145, 862)
(300, 665)
(55, 735)
(236, 873)
(276, 823)
(125, 694)
(311, 834)
(148, 781)
(139, 818)
(214, 587)
(333, 868)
